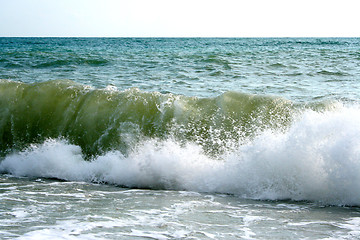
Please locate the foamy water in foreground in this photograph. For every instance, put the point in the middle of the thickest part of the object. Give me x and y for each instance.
(48, 209)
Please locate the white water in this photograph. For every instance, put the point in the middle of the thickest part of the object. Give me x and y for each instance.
(317, 159)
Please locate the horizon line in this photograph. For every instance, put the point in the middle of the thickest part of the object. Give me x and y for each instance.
(179, 37)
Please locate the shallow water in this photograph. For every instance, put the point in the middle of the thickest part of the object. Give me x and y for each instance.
(42, 209)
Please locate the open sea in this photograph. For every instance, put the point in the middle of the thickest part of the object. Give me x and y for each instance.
(184, 138)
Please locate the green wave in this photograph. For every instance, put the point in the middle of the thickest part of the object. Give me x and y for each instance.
(100, 120)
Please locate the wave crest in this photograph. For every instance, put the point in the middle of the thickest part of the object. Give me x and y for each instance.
(100, 120)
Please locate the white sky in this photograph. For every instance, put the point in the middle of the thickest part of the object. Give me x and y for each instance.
(180, 18)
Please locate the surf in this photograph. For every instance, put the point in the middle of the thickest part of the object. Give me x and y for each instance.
(317, 160)
(252, 146)
(100, 120)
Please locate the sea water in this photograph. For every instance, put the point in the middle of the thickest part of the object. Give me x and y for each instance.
(194, 138)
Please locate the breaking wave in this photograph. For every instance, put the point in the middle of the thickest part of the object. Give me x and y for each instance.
(256, 147)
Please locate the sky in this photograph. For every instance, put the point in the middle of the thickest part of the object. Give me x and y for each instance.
(179, 18)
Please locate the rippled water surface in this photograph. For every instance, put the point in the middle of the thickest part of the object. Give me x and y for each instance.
(299, 69)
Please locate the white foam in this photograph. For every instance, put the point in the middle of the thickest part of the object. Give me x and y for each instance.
(20, 213)
(353, 226)
(317, 159)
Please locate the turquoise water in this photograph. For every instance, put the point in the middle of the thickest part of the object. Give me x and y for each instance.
(297, 69)
(195, 138)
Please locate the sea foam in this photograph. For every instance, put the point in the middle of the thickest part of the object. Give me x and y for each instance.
(316, 159)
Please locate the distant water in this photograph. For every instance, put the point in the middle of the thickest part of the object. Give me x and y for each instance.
(196, 138)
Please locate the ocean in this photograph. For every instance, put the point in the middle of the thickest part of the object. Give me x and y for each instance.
(179, 138)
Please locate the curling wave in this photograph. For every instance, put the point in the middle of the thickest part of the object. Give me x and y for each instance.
(312, 154)
(99, 120)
